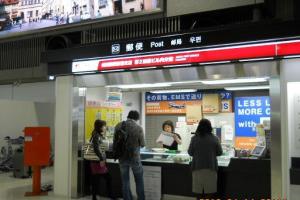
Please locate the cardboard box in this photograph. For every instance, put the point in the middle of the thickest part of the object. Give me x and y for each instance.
(211, 103)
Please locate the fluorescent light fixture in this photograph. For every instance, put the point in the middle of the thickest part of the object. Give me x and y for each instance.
(139, 86)
(172, 91)
(215, 63)
(294, 56)
(256, 59)
(234, 81)
(183, 65)
(116, 70)
(80, 73)
(51, 78)
(134, 69)
(260, 87)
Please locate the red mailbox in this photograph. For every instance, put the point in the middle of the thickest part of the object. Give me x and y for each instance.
(36, 154)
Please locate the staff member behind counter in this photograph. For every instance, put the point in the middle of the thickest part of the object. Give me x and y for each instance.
(168, 126)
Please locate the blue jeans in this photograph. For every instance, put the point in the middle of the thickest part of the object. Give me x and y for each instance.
(137, 170)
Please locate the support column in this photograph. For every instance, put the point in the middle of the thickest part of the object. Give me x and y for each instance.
(63, 136)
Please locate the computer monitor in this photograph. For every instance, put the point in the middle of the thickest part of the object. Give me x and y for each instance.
(258, 151)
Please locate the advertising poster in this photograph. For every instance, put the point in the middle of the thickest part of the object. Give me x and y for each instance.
(26, 15)
(171, 103)
(176, 103)
(250, 111)
(111, 112)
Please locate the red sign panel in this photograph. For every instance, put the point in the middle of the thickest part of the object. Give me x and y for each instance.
(253, 51)
(197, 56)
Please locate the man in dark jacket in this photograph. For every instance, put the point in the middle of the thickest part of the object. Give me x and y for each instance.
(132, 160)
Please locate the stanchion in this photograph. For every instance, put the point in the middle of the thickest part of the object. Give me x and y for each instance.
(36, 183)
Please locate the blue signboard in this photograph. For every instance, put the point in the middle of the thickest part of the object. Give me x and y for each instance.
(225, 95)
(250, 111)
(185, 96)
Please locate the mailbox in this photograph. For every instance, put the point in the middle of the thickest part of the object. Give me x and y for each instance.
(37, 146)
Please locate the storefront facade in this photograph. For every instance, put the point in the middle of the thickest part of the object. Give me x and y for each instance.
(190, 57)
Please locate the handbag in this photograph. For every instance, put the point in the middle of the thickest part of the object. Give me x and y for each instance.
(88, 150)
(96, 168)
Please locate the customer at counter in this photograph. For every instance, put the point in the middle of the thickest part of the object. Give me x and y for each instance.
(204, 149)
(99, 168)
(168, 126)
(131, 158)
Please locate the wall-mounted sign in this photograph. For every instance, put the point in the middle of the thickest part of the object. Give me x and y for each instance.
(176, 103)
(226, 102)
(250, 111)
(171, 103)
(177, 58)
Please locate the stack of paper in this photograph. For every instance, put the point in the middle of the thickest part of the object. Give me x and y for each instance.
(165, 138)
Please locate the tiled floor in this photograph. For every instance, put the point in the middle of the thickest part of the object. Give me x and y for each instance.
(14, 188)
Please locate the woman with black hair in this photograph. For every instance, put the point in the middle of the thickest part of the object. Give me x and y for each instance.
(204, 149)
(98, 168)
(168, 126)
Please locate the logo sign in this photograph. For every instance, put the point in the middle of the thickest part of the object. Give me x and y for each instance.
(250, 111)
(115, 49)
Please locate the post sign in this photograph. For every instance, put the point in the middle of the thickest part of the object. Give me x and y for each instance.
(250, 111)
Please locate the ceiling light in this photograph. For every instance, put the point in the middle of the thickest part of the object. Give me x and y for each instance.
(139, 86)
(80, 73)
(51, 78)
(234, 81)
(133, 69)
(183, 65)
(214, 63)
(256, 59)
(294, 56)
(260, 87)
(172, 91)
(115, 70)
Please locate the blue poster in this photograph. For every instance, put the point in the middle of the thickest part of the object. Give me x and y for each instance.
(184, 96)
(250, 111)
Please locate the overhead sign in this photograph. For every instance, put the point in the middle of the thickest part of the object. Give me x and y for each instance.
(250, 111)
(177, 58)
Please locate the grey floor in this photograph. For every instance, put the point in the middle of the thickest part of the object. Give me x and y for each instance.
(15, 188)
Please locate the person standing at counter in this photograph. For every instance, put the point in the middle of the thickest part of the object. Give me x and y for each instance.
(168, 126)
(131, 158)
(99, 168)
(204, 149)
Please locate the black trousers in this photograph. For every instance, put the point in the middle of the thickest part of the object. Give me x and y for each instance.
(96, 184)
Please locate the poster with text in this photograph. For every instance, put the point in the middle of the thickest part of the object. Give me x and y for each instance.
(111, 112)
(250, 111)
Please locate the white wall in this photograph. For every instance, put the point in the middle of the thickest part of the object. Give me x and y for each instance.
(36, 92)
(179, 7)
(131, 101)
(30, 104)
(289, 75)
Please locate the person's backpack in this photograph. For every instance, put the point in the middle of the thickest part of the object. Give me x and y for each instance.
(120, 140)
